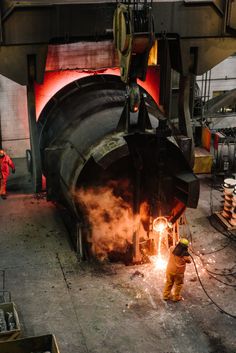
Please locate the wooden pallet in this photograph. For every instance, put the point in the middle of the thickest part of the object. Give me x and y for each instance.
(46, 343)
(224, 221)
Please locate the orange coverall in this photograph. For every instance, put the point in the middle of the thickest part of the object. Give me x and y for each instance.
(5, 163)
(175, 275)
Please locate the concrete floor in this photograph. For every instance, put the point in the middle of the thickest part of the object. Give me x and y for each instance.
(111, 308)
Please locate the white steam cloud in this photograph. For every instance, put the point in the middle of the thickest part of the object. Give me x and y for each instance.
(111, 219)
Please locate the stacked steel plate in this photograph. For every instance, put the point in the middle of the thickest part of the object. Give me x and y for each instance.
(229, 211)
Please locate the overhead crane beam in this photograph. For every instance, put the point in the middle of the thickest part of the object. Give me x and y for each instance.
(69, 20)
(200, 33)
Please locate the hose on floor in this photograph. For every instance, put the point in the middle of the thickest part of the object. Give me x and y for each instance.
(200, 281)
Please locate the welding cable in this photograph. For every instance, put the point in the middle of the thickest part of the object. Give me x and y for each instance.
(214, 251)
(202, 254)
(219, 280)
(222, 274)
(213, 187)
(211, 201)
(208, 253)
(205, 253)
(217, 187)
(214, 273)
(200, 281)
(229, 234)
(211, 273)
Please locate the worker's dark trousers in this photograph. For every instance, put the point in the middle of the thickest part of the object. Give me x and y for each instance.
(176, 280)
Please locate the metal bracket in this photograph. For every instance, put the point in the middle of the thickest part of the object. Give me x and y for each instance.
(218, 5)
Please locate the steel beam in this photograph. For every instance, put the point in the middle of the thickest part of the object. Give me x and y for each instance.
(14, 64)
(185, 125)
(34, 139)
(207, 28)
(27, 22)
(57, 23)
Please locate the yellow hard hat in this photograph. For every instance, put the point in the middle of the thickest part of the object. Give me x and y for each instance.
(184, 241)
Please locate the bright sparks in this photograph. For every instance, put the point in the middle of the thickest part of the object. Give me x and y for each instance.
(159, 263)
(160, 224)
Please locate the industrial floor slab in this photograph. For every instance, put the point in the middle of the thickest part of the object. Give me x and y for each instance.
(105, 308)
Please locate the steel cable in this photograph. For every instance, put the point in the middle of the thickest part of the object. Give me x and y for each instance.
(209, 297)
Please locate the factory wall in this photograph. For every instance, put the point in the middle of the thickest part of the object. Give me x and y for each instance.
(14, 128)
(224, 75)
(221, 78)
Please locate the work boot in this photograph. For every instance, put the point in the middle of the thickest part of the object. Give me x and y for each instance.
(4, 197)
(177, 299)
(169, 297)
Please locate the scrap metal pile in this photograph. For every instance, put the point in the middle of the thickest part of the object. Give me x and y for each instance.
(7, 321)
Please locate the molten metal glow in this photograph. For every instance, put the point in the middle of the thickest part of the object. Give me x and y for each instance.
(160, 224)
(159, 263)
(55, 80)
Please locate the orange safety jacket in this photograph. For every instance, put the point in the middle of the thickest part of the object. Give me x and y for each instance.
(6, 162)
(177, 264)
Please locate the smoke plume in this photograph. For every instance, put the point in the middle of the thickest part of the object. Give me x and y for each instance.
(110, 217)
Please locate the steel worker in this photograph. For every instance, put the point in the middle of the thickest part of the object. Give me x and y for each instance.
(176, 266)
(5, 163)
